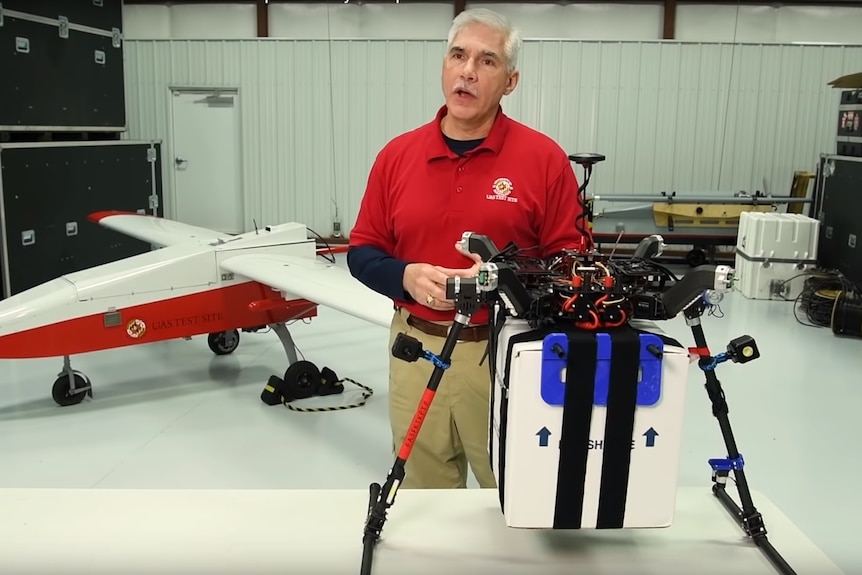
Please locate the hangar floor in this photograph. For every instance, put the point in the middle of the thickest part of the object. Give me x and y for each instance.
(172, 415)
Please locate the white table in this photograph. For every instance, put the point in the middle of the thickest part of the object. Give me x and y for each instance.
(67, 531)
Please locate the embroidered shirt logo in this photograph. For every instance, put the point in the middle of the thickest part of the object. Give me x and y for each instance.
(502, 189)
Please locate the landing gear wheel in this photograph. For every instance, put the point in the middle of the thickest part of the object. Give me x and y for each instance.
(62, 389)
(223, 342)
(301, 375)
(695, 258)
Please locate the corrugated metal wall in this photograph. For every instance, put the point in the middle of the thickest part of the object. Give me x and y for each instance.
(669, 116)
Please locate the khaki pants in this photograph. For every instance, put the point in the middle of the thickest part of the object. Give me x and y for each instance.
(455, 430)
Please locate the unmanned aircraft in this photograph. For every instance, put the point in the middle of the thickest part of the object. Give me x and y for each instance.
(199, 282)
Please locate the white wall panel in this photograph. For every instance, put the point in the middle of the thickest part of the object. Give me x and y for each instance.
(840, 25)
(633, 21)
(298, 20)
(705, 118)
(190, 21)
(218, 21)
(146, 21)
(768, 24)
(714, 23)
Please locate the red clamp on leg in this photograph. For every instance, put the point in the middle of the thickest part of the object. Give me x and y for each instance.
(697, 353)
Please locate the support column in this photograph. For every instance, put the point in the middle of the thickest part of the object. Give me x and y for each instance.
(669, 27)
(262, 19)
(459, 6)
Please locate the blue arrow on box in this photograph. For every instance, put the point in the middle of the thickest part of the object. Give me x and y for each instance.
(543, 434)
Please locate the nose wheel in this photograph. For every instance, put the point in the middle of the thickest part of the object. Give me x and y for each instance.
(223, 342)
(71, 386)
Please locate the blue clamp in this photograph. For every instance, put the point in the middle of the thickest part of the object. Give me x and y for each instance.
(727, 464)
(720, 358)
(555, 359)
(435, 359)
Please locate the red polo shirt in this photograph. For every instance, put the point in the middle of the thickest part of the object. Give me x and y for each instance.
(518, 185)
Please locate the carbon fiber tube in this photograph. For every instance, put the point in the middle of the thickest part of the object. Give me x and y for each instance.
(765, 545)
(692, 286)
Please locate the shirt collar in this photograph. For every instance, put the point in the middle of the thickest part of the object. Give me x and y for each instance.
(493, 142)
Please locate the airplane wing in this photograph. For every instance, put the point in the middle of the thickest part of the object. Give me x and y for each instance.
(324, 283)
(155, 230)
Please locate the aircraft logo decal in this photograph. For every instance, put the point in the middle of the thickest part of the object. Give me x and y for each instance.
(136, 328)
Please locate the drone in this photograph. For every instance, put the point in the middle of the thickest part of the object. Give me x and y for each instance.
(582, 289)
(589, 291)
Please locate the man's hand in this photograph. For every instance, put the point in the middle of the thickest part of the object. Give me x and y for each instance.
(427, 285)
(463, 272)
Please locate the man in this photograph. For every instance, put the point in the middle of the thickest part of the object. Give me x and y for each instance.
(470, 169)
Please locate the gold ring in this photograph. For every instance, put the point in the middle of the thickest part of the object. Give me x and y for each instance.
(429, 299)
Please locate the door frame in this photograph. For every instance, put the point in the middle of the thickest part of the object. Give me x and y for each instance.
(170, 195)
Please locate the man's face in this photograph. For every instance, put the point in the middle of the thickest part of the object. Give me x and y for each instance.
(475, 73)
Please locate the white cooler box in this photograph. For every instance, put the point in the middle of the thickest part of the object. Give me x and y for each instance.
(774, 253)
(605, 460)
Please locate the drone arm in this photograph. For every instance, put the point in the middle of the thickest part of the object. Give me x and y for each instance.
(649, 247)
(479, 244)
(515, 297)
(693, 284)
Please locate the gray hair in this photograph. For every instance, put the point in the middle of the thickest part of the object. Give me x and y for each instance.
(494, 20)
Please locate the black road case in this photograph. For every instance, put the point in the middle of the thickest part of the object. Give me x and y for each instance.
(47, 190)
(62, 66)
(840, 213)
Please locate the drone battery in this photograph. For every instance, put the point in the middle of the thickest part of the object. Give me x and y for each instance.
(774, 253)
(586, 427)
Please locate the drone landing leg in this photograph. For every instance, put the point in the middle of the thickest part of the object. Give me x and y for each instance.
(382, 497)
(747, 514)
(466, 295)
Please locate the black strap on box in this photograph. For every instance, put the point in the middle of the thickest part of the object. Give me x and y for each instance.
(576, 422)
(619, 428)
(575, 431)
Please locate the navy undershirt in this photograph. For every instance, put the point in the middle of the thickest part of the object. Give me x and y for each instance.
(381, 271)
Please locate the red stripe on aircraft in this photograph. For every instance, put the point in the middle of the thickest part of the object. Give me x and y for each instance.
(245, 305)
(99, 216)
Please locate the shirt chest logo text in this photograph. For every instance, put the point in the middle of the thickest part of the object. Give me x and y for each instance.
(502, 191)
